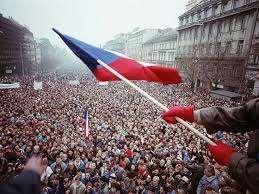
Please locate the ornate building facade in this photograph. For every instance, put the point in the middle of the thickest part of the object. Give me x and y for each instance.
(17, 48)
(161, 49)
(215, 44)
(135, 41)
(118, 44)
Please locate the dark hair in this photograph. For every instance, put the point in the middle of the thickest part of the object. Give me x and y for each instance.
(211, 169)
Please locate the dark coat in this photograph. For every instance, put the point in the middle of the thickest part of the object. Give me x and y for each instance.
(242, 119)
(28, 182)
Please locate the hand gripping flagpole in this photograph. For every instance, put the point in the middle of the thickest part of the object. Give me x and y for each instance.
(145, 94)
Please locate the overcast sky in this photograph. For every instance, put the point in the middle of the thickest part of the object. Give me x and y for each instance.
(93, 21)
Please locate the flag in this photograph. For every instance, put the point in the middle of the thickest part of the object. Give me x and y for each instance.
(129, 68)
(85, 123)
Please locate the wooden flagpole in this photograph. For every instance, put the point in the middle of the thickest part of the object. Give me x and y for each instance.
(163, 107)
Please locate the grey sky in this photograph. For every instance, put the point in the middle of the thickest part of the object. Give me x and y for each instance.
(93, 21)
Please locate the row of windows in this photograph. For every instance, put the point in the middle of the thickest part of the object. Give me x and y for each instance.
(166, 45)
(213, 29)
(13, 62)
(218, 49)
(160, 56)
(9, 57)
(215, 10)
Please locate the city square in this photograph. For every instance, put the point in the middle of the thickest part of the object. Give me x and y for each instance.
(179, 115)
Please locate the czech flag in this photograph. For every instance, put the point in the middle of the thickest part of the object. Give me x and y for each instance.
(129, 68)
(86, 123)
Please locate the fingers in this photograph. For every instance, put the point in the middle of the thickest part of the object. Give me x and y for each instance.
(168, 116)
(169, 119)
(35, 164)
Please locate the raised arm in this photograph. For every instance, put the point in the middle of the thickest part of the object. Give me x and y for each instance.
(238, 119)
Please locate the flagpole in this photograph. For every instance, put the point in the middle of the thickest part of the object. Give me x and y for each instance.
(145, 94)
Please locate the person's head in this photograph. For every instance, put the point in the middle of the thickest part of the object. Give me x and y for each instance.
(148, 179)
(209, 171)
(156, 180)
(178, 167)
(54, 180)
(64, 157)
(209, 191)
(78, 178)
(45, 161)
(132, 168)
(71, 165)
(181, 191)
(58, 161)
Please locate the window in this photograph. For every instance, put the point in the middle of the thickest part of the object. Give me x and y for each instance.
(228, 48)
(181, 22)
(218, 48)
(235, 4)
(191, 20)
(205, 13)
(243, 22)
(224, 5)
(240, 46)
(203, 33)
(209, 48)
(219, 29)
(210, 30)
(190, 34)
(231, 21)
(199, 16)
(215, 10)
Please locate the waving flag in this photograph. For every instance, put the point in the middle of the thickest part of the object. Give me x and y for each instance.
(85, 123)
(129, 68)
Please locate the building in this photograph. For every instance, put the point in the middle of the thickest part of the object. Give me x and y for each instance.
(192, 3)
(48, 56)
(216, 43)
(38, 56)
(135, 41)
(161, 49)
(118, 44)
(17, 48)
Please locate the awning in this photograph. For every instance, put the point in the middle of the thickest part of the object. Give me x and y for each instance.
(224, 94)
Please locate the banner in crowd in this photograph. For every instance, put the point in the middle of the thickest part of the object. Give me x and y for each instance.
(103, 83)
(74, 82)
(37, 85)
(9, 86)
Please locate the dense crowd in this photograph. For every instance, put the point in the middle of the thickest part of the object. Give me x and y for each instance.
(130, 148)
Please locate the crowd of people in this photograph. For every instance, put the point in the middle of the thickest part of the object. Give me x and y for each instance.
(130, 148)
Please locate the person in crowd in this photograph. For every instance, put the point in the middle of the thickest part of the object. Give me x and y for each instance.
(130, 148)
(77, 187)
(209, 181)
(243, 168)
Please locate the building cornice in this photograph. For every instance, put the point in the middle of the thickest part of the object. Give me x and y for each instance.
(229, 13)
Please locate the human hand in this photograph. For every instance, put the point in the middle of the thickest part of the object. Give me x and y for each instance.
(183, 112)
(222, 153)
(35, 164)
